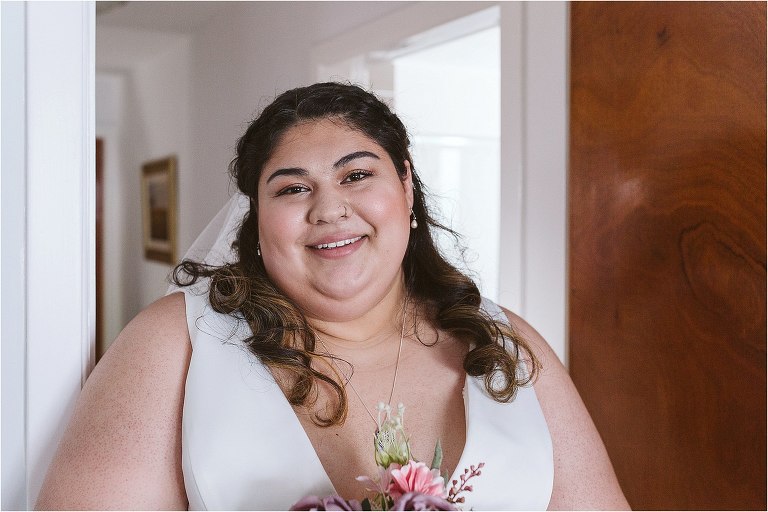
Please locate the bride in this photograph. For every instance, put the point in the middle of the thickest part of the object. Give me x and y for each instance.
(256, 382)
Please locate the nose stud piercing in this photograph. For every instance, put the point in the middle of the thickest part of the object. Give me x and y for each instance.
(414, 224)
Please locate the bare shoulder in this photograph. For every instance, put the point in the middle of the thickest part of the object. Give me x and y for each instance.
(584, 476)
(122, 448)
(538, 345)
(154, 347)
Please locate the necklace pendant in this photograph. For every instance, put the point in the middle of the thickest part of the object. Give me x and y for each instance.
(390, 442)
(384, 439)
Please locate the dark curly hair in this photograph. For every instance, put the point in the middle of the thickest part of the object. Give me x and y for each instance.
(281, 336)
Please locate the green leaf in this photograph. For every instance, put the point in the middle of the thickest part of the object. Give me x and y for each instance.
(366, 504)
(437, 459)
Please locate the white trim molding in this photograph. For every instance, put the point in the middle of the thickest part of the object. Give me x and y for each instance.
(390, 31)
(534, 140)
(53, 172)
(512, 131)
(13, 247)
(545, 167)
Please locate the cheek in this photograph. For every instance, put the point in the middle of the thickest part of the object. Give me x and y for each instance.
(279, 226)
(279, 231)
(387, 208)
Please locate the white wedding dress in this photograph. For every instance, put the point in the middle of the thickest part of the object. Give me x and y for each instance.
(245, 449)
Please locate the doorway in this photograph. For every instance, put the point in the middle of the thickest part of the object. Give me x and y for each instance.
(444, 83)
(532, 114)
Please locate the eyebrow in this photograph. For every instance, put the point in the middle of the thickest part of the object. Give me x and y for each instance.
(298, 171)
(354, 156)
(290, 171)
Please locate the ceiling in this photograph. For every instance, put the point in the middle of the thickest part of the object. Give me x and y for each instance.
(128, 33)
(169, 17)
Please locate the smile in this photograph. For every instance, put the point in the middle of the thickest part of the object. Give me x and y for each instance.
(340, 243)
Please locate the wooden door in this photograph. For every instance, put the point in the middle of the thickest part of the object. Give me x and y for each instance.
(667, 237)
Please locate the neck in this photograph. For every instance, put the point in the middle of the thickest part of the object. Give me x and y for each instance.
(378, 327)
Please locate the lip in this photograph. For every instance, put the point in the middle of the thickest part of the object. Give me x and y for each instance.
(334, 238)
(353, 243)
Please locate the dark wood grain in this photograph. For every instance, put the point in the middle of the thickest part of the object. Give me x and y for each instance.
(99, 248)
(667, 233)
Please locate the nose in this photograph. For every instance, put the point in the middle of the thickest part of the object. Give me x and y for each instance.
(329, 208)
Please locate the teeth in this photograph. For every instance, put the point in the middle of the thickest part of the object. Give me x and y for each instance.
(340, 243)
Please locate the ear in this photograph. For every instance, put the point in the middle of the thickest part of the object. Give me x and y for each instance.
(408, 184)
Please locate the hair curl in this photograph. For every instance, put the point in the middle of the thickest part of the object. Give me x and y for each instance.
(281, 336)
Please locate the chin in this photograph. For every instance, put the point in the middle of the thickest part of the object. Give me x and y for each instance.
(337, 311)
(342, 305)
(342, 296)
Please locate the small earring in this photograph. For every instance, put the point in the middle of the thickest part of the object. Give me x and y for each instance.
(414, 224)
(258, 248)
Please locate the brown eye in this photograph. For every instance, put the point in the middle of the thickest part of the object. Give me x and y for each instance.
(293, 189)
(357, 176)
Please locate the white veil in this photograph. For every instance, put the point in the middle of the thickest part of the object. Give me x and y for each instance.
(214, 244)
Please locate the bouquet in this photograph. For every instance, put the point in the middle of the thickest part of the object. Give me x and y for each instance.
(402, 483)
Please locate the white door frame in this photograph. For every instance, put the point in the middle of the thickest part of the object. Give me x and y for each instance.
(48, 252)
(534, 46)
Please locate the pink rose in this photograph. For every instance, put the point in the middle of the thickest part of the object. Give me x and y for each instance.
(416, 477)
(381, 484)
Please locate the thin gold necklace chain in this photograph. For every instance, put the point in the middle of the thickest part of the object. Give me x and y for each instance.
(394, 377)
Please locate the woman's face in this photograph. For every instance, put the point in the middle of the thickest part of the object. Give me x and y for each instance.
(334, 220)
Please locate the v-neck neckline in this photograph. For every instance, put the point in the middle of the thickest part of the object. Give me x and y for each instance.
(309, 447)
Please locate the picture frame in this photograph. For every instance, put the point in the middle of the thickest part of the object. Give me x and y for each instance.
(158, 209)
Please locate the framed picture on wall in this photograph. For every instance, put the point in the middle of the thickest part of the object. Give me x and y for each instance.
(158, 209)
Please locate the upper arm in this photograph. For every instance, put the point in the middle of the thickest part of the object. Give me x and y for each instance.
(122, 448)
(584, 477)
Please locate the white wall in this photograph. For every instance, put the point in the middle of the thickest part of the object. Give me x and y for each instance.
(157, 115)
(109, 118)
(461, 170)
(142, 114)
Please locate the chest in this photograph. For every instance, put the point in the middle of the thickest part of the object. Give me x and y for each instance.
(434, 410)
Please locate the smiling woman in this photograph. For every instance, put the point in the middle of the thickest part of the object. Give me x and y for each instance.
(328, 229)
(233, 394)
